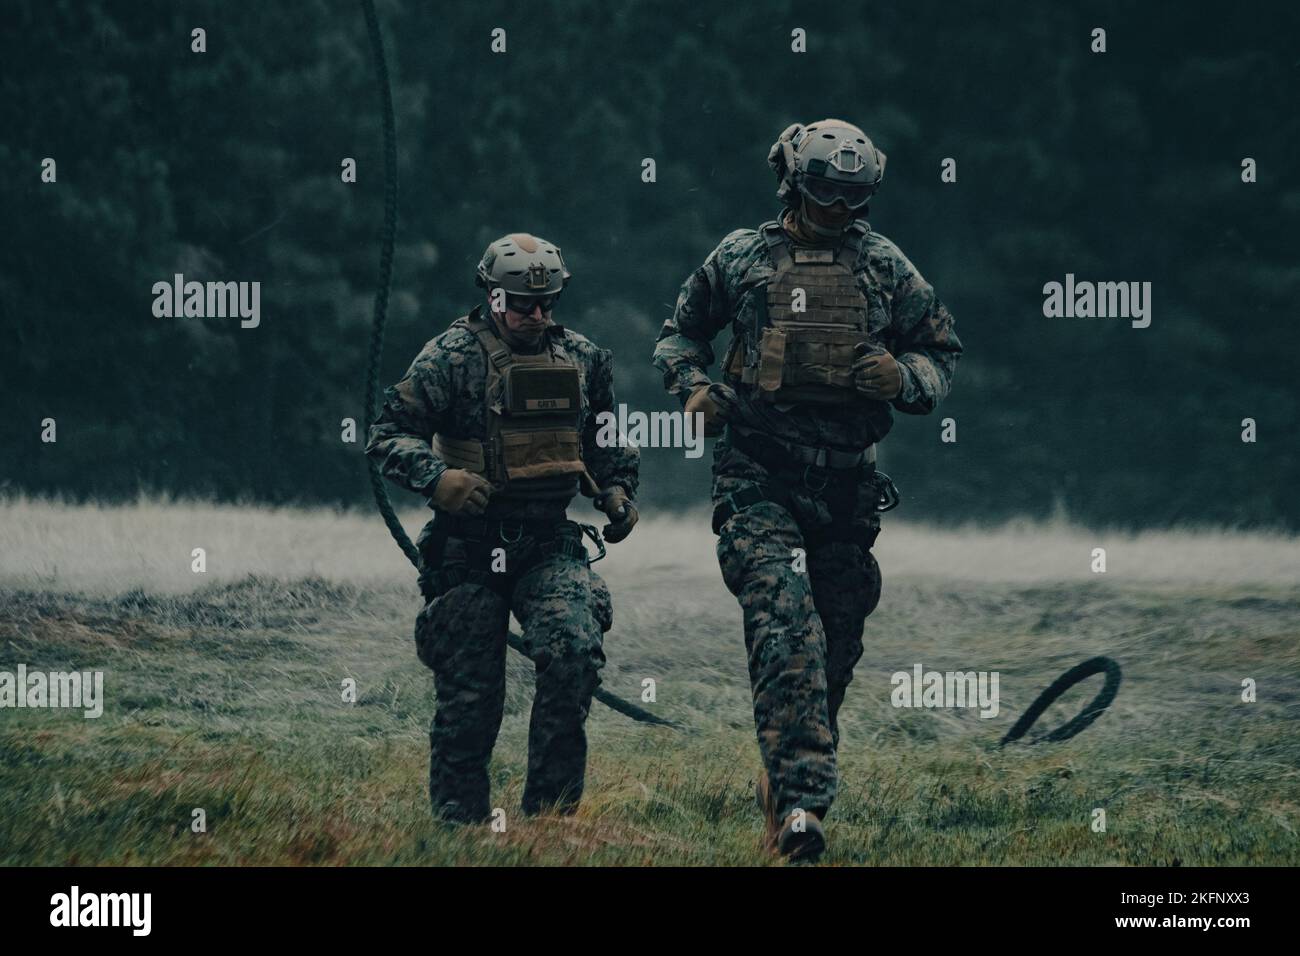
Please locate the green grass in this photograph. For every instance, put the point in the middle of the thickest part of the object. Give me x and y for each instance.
(227, 697)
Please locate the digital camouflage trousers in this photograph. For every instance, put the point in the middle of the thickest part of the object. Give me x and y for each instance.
(564, 609)
(803, 621)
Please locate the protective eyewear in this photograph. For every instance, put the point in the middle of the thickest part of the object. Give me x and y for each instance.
(827, 192)
(525, 304)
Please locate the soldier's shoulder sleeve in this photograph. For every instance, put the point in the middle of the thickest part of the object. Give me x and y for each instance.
(597, 366)
(609, 463)
(433, 369)
(578, 343)
(882, 258)
(584, 351)
(739, 243)
(705, 304)
(414, 410)
(922, 328)
(737, 254)
(453, 346)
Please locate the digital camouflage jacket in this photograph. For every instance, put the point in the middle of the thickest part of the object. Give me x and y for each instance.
(904, 315)
(443, 392)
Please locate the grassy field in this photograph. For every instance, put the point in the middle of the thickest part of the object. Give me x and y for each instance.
(223, 692)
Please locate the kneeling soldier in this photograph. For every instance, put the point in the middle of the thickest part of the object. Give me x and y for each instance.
(495, 422)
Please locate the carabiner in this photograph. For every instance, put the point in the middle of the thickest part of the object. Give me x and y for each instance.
(591, 532)
(887, 497)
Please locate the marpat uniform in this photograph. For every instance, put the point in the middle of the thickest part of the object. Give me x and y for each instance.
(832, 329)
(515, 422)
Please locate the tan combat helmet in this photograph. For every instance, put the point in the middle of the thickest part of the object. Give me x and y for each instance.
(826, 161)
(523, 265)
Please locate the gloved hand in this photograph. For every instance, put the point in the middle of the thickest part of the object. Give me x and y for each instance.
(621, 512)
(876, 373)
(702, 401)
(461, 492)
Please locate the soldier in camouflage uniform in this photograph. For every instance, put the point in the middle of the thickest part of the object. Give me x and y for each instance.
(495, 423)
(831, 326)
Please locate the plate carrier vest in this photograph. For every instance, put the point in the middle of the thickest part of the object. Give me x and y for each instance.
(805, 357)
(534, 406)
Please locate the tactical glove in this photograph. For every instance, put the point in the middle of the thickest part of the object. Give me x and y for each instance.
(876, 373)
(621, 512)
(461, 492)
(702, 401)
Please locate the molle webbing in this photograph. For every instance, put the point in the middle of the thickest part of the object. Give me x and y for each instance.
(807, 356)
(792, 357)
(534, 403)
(540, 453)
(831, 292)
(461, 453)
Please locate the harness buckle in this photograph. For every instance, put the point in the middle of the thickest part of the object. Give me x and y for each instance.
(824, 478)
(501, 533)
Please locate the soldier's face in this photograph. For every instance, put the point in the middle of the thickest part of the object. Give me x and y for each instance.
(527, 317)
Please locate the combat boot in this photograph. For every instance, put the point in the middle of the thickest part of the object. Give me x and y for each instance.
(458, 804)
(767, 807)
(805, 843)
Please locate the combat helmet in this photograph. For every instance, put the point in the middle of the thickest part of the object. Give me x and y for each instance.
(826, 161)
(522, 265)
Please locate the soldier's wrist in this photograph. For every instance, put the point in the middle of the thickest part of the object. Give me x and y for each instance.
(687, 393)
(907, 377)
(431, 485)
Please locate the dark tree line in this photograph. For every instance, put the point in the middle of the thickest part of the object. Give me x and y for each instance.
(225, 165)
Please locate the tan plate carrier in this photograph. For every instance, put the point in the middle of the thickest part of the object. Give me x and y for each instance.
(805, 356)
(534, 407)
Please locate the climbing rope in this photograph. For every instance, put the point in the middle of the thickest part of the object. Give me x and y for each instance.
(385, 279)
(1094, 665)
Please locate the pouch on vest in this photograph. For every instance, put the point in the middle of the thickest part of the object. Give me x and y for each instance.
(540, 452)
(811, 317)
(818, 355)
(541, 389)
(460, 453)
(771, 360)
(534, 405)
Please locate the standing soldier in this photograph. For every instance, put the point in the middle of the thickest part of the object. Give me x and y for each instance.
(831, 325)
(495, 423)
